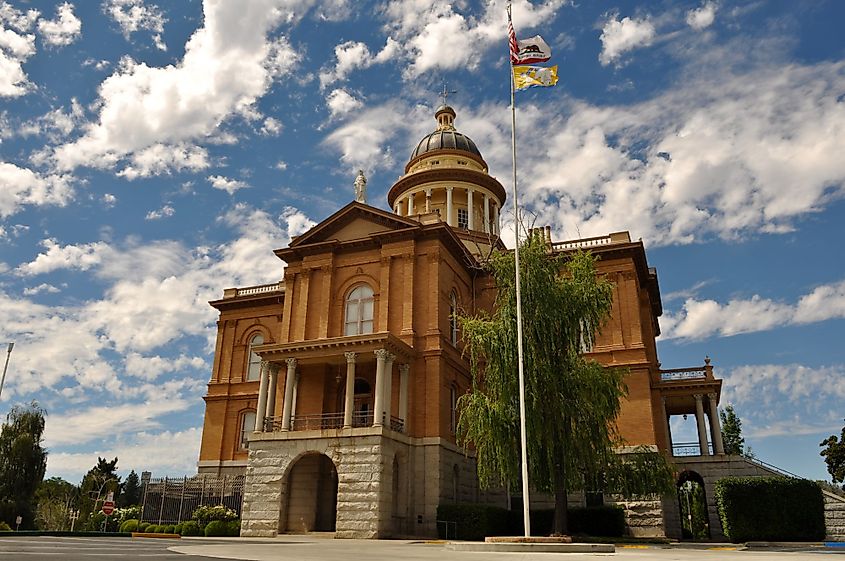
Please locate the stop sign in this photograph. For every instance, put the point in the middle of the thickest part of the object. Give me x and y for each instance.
(108, 507)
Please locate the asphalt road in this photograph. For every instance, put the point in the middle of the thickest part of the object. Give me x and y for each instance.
(308, 548)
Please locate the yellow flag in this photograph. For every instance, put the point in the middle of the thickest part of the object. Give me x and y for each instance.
(529, 76)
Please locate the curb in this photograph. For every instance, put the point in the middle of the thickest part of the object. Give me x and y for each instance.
(159, 536)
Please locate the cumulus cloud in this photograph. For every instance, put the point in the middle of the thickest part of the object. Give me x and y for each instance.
(226, 184)
(136, 15)
(340, 102)
(17, 44)
(80, 257)
(351, 55)
(21, 187)
(271, 127)
(63, 30)
(43, 287)
(229, 63)
(703, 17)
(699, 319)
(164, 212)
(621, 36)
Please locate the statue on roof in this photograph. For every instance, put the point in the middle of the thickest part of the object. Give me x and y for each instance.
(361, 187)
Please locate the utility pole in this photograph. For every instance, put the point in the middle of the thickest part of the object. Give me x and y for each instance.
(6, 366)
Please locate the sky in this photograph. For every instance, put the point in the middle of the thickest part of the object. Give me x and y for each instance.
(152, 154)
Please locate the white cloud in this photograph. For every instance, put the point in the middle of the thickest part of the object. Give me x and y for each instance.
(163, 159)
(229, 63)
(271, 127)
(135, 15)
(63, 30)
(786, 399)
(108, 200)
(700, 319)
(621, 36)
(16, 46)
(164, 212)
(340, 102)
(151, 367)
(703, 17)
(22, 187)
(281, 165)
(43, 287)
(79, 257)
(141, 451)
(351, 55)
(226, 184)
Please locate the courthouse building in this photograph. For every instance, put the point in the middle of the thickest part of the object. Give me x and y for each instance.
(334, 390)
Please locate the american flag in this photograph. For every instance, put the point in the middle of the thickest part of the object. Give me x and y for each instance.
(514, 46)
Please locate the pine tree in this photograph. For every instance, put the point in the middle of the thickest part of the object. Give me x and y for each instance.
(571, 403)
(732, 438)
(23, 461)
(100, 480)
(130, 493)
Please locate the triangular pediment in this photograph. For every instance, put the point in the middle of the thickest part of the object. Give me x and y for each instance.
(355, 221)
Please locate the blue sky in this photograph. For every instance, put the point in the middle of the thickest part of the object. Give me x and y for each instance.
(152, 154)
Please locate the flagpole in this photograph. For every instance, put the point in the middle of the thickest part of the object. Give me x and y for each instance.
(526, 512)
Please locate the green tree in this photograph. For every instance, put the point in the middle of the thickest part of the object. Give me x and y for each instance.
(834, 456)
(732, 431)
(23, 461)
(100, 480)
(571, 403)
(130, 492)
(56, 498)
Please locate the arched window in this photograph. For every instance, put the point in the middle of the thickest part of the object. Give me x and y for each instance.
(247, 426)
(453, 318)
(359, 311)
(253, 371)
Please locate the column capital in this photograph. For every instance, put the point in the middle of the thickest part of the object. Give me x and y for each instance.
(350, 357)
(382, 354)
(404, 369)
(291, 363)
(712, 397)
(449, 188)
(273, 367)
(390, 357)
(697, 396)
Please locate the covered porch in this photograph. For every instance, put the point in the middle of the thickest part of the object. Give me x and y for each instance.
(333, 384)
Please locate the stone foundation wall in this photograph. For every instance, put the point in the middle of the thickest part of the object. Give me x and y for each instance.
(834, 517)
(643, 515)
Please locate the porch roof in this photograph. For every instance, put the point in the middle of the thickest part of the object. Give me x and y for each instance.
(331, 350)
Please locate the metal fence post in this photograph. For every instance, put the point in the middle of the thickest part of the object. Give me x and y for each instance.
(163, 493)
(182, 499)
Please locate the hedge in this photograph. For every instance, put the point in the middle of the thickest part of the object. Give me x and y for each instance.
(217, 528)
(130, 525)
(191, 528)
(475, 522)
(770, 509)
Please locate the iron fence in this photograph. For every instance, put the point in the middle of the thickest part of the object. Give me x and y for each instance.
(169, 500)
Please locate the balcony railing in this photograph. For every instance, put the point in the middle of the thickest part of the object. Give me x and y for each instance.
(683, 374)
(689, 449)
(327, 421)
(260, 289)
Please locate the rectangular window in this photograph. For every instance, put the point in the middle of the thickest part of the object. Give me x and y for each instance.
(453, 409)
(247, 426)
(463, 218)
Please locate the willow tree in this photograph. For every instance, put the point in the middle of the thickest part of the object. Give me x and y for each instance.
(23, 461)
(571, 402)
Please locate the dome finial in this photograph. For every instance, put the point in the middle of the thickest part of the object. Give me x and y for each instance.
(444, 114)
(360, 187)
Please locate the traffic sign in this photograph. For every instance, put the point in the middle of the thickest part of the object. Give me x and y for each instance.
(108, 507)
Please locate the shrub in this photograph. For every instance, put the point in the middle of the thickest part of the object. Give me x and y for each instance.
(217, 528)
(169, 529)
(191, 528)
(607, 521)
(205, 514)
(143, 526)
(4, 527)
(472, 521)
(770, 509)
(234, 527)
(177, 529)
(130, 525)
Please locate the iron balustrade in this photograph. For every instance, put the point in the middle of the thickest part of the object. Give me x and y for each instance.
(328, 421)
(689, 449)
(683, 374)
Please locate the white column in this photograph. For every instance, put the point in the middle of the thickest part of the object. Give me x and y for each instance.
(295, 395)
(470, 213)
(349, 401)
(388, 388)
(715, 425)
(378, 406)
(702, 429)
(261, 411)
(397, 206)
(486, 214)
(428, 200)
(289, 382)
(496, 219)
(449, 213)
(410, 204)
(271, 390)
(403, 394)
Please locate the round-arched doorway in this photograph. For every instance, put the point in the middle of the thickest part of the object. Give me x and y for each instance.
(695, 519)
(311, 504)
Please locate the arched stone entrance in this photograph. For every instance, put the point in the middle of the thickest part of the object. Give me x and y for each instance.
(311, 504)
(692, 506)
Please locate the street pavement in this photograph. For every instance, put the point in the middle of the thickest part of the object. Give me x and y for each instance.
(310, 548)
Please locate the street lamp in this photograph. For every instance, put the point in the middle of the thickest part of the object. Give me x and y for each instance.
(6, 366)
